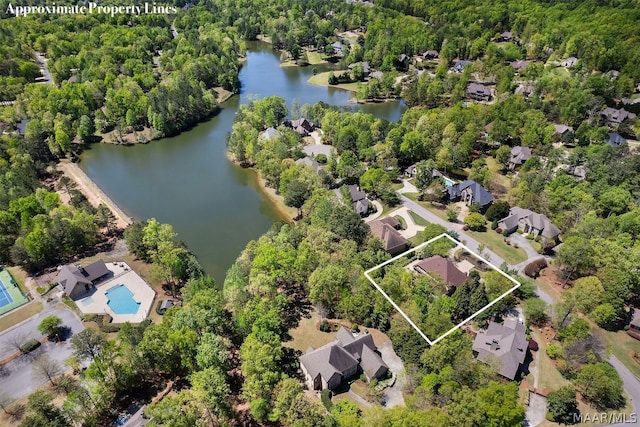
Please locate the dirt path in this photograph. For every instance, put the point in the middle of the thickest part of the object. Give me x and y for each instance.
(92, 192)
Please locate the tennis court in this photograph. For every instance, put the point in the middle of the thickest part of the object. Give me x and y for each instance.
(10, 295)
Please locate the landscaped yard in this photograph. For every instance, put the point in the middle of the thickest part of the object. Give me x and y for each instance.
(497, 177)
(418, 219)
(621, 345)
(442, 213)
(307, 335)
(494, 242)
(322, 79)
(19, 314)
(20, 276)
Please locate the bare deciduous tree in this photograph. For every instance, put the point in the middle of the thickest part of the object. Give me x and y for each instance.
(46, 368)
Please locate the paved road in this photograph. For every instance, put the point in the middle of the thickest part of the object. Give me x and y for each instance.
(16, 378)
(631, 385)
(393, 395)
(45, 70)
(469, 241)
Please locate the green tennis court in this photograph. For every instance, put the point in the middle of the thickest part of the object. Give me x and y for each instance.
(10, 295)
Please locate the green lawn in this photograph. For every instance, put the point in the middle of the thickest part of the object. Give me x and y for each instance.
(497, 176)
(322, 80)
(494, 242)
(418, 219)
(621, 345)
(403, 223)
(427, 205)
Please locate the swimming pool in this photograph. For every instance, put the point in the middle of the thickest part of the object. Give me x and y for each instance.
(448, 182)
(120, 300)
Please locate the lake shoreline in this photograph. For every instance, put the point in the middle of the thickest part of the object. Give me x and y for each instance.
(276, 200)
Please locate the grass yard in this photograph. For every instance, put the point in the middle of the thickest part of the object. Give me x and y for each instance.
(427, 205)
(403, 223)
(20, 276)
(548, 375)
(418, 219)
(322, 79)
(621, 345)
(494, 242)
(19, 314)
(306, 335)
(498, 178)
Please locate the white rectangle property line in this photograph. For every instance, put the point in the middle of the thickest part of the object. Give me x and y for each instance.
(458, 326)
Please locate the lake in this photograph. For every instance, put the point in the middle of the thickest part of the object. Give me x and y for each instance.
(215, 206)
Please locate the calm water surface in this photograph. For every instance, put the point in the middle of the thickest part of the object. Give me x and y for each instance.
(187, 181)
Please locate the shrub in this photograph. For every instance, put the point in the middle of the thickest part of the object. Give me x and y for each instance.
(29, 346)
(325, 397)
(325, 326)
(499, 230)
(321, 158)
(554, 350)
(494, 225)
(533, 268)
(110, 327)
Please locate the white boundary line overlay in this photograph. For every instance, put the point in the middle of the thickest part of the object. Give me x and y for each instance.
(459, 325)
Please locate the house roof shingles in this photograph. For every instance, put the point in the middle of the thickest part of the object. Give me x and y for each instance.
(519, 155)
(537, 220)
(507, 342)
(442, 267)
(480, 194)
(70, 276)
(390, 237)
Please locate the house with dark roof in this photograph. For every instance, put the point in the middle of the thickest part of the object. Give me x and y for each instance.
(302, 126)
(506, 343)
(394, 242)
(617, 116)
(519, 65)
(470, 192)
(359, 199)
(366, 69)
(431, 54)
(634, 324)
(410, 171)
(22, 127)
(563, 129)
(530, 223)
(333, 363)
(443, 268)
(615, 139)
(507, 36)
(478, 92)
(75, 280)
(460, 65)
(519, 155)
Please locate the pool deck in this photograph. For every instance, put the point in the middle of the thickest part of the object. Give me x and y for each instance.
(95, 302)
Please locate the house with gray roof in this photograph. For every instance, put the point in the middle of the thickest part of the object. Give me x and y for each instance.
(524, 89)
(478, 92)
(506, 343)
(333, 363)
(615, 139)
(431, 54)
(507, 36)
(529, 222)
(570, 62)
(460, 65)
(519, 155)
(519, 65)
(470, 192)
(562, 129)
(366, 69)
(270, 133)
(307, 161)
(75, 280)
(22, 127)
(617, 116)
(359, 199)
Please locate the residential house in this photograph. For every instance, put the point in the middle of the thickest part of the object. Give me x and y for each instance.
(616, 117)
(507, 343)
(470, 192)
(460, 65)
(394, 242)
(563, 129)
(270, 133)
(75, 280)
(630, 101)
(526, 90)
(410, 171)
(519, 155)
(376, 75)
(444, 268)
(366, 69)
(615, 139)
(478, 92)
(431, 54)
(612, 74)
(507, 36)
(333, 363)
(569, 62)
(634, 325)
(529, 222)
(302, 126)
(519, 65)
(359, 199)
(308, 161)
(338, 48)
(402, 62)
(21, 127)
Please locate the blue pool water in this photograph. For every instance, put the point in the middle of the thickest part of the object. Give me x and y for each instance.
(448, 182)
(120, 299)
